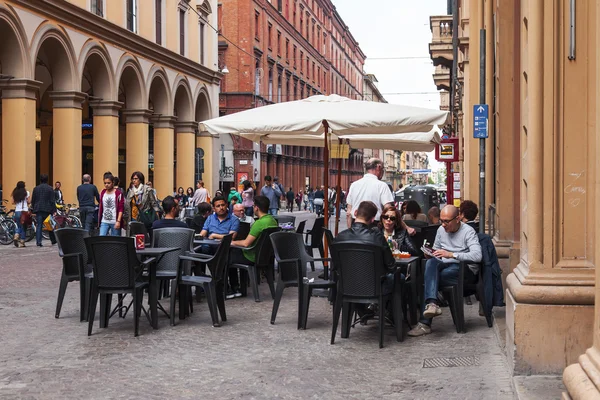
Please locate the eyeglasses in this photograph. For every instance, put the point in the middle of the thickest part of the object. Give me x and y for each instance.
(447, 221)
(390, 217)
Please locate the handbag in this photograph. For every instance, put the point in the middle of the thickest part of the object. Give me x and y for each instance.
(26, 219)
(147, 217)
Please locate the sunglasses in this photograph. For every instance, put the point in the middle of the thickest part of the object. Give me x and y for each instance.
(390, 217)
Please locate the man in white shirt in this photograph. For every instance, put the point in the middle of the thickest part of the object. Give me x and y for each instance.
(370, 188)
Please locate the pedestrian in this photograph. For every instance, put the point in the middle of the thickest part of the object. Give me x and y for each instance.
(117, 184)
(58, 196)
(281, 189)
(110, 210)
(43, 205)
(149, 184)
(233, 193)
(299, 199)
(87, 196)
(271, 191)
(319, 200)
(234, 201)
(141, 204)
(248, 198)
(181, 199)
(311, 200)
(20, 198)
(201, 195)
(289, 197)
(305, 199)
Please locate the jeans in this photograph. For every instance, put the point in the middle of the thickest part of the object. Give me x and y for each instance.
(87, 217)
(17, 218)
(273, 211)
(40, 218)
(105, 228)
(439, 274)
(311, 205)
(249, 211)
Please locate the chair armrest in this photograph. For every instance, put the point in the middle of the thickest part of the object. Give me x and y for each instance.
(323, 259)
(148, 261)
(286, 260)
(194, 259)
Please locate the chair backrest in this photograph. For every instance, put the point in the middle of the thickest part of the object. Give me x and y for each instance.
(285, 219)
(138, 228)
(218, 265)
(243, 231)
(264, 247)
(359, 268)
(71, 241)
(301, 226)
(288, 246)
(198, 223)
(114, 260)
(182, 238)
(316, 232)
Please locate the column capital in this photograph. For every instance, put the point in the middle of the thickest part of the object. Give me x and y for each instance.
(163, 121)
(106, 108)
(137, 116)
(70, 99)
(19, 89)
(186, 127)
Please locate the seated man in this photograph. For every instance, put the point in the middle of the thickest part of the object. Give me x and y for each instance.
(204, 210)
(455, 241)
(361, 231)
(220, 223)
(468, 211)
(240, 213)
(434, 215)
(171, 209)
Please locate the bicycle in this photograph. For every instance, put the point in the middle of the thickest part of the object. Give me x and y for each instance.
(8, 227)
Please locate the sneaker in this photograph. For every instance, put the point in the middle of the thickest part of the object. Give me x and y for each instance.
(432, 310)
(230, 295)
(419, 330)
(237, 294)
(16, 239)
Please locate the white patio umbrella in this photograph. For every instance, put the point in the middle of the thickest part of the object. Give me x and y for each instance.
(320, 114)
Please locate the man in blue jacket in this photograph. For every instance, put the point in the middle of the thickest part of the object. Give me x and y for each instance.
(271, 191)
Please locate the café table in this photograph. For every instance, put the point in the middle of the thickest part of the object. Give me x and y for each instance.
(159, 253)
(410, 266)
(214, 243)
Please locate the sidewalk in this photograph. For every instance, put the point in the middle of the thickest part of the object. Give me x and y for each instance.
(48, 358)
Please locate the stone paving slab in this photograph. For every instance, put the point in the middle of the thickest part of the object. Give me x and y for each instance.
(247, 358)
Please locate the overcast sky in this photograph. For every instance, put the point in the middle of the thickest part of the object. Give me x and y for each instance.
(392, 29)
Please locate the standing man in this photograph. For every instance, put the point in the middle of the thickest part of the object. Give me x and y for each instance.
(272, 192)
(319, 200)
(42, 203)
(86, 194)
(371, 188)
(58, 196)
(201, 195)
(289, 197)
(281, 189)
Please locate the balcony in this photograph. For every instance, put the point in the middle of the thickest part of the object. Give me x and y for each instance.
(445, 101)
(441, 78)
(440, 48)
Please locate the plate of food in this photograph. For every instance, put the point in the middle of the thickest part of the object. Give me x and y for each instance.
(401, 254)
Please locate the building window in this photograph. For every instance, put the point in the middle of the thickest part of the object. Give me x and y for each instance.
(269, 36)
(278, 43)
(288, 89)
(132, 15)
(301, 25)
(158, 19)
(202, 43)
(287, 50)
(98, 7)
(279, 98)
(270, 84)
(220, 18)
(313, 71)
(319, 76)
(307, 68)
(257, 78)
(182, 32)
(301, 61)
(294, 56)
(279, 5)
(256, 25)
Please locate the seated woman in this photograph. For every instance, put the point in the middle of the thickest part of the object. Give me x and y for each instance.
(413, 212)
(391, 227)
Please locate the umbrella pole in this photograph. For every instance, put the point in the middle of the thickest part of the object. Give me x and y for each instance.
(338, 190)
(326, 200)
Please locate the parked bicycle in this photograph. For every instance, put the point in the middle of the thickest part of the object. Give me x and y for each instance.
(8, 227)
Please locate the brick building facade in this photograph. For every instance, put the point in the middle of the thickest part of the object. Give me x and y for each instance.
(284, 50)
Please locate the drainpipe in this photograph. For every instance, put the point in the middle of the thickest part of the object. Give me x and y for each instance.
(454, 77)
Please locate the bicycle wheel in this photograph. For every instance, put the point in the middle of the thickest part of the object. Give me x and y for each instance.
(8, 228)
(73, 222)
(30, 233)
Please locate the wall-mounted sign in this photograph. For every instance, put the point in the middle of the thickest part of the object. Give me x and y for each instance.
(243, 162)
(447, 150)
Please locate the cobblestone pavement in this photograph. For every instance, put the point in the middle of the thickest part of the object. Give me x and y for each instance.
(247, 358)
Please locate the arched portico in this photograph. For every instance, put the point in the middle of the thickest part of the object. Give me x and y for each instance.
(185, 127)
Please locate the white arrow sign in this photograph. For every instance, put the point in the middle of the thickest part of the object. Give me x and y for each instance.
(481, 109)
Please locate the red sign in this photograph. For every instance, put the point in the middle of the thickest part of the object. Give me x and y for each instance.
(447, 150)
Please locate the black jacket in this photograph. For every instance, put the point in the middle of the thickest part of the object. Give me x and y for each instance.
(404, 242)
(491, 273)
(42, 199)
(360, 232)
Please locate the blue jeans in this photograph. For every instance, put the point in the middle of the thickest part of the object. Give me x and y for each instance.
(87, 217)
(311, 205)
(17, 219)
(439, 274)
(249, 211)
(105, 228)
(273, 211)
(40, 218)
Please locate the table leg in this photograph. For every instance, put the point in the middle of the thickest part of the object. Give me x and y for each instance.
(152, 296)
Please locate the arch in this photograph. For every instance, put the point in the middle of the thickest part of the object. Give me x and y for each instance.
(95, 66)
(159, 93)
(52, 47)
(202, 107)
(130, 80)
(182, 105)
(14, 54)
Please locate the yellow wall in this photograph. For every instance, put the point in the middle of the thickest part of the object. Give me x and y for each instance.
(172, 21)
(146, 20)
(115, 12)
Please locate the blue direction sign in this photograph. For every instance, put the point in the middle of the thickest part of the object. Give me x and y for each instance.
(480, 121)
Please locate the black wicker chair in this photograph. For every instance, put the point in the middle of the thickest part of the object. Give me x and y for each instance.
(117, 270)
(292, 259)
(243, 231)
(361, 274)
(76, 267)
(285, 219)
(316, 238)
(301, 226)
(138, 228)
(214, 285)
(264, 260)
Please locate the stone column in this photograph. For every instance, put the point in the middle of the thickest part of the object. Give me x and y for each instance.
(136, 141)
(164, 157)
(18, 138)
(206, 142)
(186, 151)
(66, 149)
(106, 139)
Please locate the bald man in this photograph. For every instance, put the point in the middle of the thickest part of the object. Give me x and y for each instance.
(240, 212)
(455, 241)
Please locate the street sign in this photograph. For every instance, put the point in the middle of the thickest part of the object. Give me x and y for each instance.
(480, 121)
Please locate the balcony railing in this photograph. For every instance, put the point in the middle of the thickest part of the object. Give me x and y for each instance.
(440, 48)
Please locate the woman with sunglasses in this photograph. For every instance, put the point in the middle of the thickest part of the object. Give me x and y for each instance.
(392, 228)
